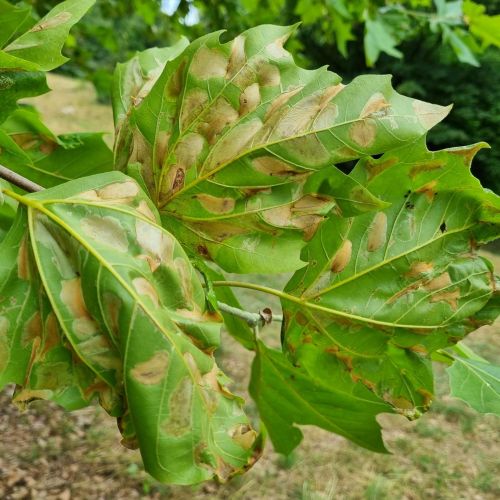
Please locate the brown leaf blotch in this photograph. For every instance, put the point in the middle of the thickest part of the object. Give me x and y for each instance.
(378, 232)
(152, 371)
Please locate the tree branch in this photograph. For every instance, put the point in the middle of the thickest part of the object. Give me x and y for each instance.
(260, 319)
(18, 180)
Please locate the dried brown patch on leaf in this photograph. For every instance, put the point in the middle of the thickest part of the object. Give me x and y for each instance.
(249, 99)
(193, 104)
(276, 50)
(144, 209)
(188, 150)
(418, 268)
(185, 271)
(237, 58)
(268, 75)
(449, 296)
(178, 421)
(429, 190)
(106, 230)
(23, 264)
(158, 245)
(428, 166)
(112, 305)
(272, 166)
(220, 115)
(99, 349)
(51, 337)
(58, 19)
(342, 257)
(429, 114)
(377, 167)
(234, 143)
(72, 297)
(376, 106)
(441, 281)
(175, 84)
(32, 329)
(162, 146)
(311, 203)
(216, 205)
(308, 149)
(208, 63)
(363, 133)
(145, 289)
(152, 371)
(280, 101)
(377, 235)
(243, 435)
(119, 191)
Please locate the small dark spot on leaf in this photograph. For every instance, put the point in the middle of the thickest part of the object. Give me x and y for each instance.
(407, 193)
(409, 205)
(442, 227)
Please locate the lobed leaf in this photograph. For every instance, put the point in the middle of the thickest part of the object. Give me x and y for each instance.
(39, 49)
(28, 147)
(381, 291)
(237, 146)
(286, 395)
(477, 383)
(132, 309)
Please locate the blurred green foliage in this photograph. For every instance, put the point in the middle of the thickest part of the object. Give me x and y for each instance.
(437, 50)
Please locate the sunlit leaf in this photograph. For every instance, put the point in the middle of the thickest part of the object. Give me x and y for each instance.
(382, 291)
(133, 310)
(238, 146)
(13, 19)
(39, 49)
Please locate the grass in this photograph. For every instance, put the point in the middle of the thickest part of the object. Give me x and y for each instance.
(451, 453)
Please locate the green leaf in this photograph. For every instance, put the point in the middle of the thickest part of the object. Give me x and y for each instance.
(15, 85)
(286, 395)
(133, 310)
(484, 27)
(133, 80)
(13, 19)
(39, 48)
(238, 146)
(379, 38)
(382, 291)
(456, 38)
(8, 209)
(28, 147)
(477, 383)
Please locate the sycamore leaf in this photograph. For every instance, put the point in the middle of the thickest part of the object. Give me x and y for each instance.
(477, 383)
(15, 85)
(379, 38)
(132, 308)
(28, 147)
(286, 395)
(484, 27)
(13, 19)
(238, 145)
(39, 49)
(382, 291)
(25, 58)
(133, 79)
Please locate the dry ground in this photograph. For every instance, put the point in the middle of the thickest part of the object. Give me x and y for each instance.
(451, 453)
